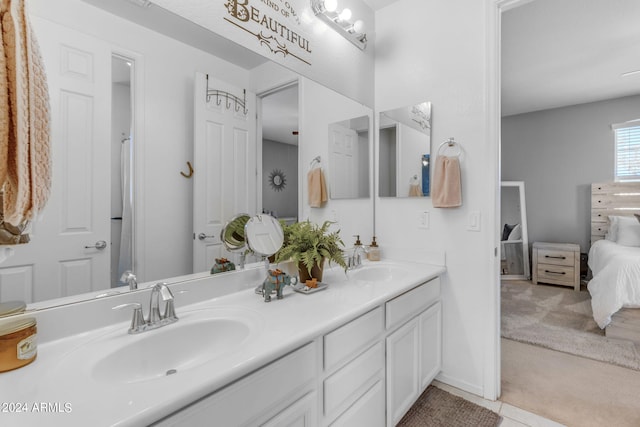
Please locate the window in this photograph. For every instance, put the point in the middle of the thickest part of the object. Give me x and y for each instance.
(627, 155)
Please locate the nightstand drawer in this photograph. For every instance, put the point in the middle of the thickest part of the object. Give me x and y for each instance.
(559, 274)
(556, 257)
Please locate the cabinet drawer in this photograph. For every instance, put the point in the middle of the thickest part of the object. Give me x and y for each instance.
(346, 341)
(353, 380)
(559, 274)
(556, 257)
(251, 398)
(367, 411)
(412, 302)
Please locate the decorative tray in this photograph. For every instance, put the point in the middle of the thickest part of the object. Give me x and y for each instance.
(303, 289)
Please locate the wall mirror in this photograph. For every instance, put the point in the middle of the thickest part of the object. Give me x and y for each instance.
(164, 52)
(514, 244)
(349, 158)
(404, 151)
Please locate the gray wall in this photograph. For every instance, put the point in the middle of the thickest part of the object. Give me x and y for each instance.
(558, 153)
(276, 155)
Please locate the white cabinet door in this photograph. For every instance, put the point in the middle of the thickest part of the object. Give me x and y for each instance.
(430, 344)
(402, 370)
(303, 413)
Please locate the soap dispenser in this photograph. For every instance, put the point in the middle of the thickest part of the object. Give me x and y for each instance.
(374, 251)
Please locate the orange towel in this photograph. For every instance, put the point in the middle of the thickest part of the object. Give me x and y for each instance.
(25, 161)
(447, 190)
(317, 188)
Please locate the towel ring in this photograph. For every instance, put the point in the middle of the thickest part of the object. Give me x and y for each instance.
(449, 144)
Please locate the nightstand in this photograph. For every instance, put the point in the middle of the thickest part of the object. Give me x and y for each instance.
(557, 264)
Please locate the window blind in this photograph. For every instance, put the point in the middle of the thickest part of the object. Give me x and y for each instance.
(627, 139)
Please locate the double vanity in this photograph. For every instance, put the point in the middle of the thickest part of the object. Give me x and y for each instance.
(358, 353)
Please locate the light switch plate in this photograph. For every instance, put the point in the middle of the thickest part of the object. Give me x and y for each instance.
(473, 223)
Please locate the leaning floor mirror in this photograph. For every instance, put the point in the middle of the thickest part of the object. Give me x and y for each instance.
(514, 243)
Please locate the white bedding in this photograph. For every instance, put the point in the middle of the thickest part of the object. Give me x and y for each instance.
(616, 279)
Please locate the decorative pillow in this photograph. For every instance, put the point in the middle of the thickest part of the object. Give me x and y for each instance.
(628, 233)
(506, 230)
(516, 233)
(612, 234)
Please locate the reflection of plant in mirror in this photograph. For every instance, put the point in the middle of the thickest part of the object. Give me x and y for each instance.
(277, 180)
(310, 244)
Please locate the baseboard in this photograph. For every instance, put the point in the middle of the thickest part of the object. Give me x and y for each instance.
(459, 384)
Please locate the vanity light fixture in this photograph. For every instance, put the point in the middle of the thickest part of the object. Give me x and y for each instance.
(340, 21)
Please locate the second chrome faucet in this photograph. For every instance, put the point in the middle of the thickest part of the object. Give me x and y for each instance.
(156, 319)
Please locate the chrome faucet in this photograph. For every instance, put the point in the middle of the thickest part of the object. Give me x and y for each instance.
(131, 279)
(156, 318)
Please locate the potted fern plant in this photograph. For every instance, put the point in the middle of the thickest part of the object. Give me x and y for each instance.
(310, 245)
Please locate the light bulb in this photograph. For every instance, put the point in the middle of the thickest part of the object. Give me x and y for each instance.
(358, 26)
(331, 5)
(345, 15)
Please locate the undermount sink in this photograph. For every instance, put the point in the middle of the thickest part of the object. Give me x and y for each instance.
(376, 273)
(197, 338)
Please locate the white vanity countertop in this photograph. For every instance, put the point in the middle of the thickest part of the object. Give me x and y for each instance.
(58, 388)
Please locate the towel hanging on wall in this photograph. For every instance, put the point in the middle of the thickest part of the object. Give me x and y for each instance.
(447, 185)
(317, 187)
(25, 157)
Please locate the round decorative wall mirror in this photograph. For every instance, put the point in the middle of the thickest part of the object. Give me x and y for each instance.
(277, 180)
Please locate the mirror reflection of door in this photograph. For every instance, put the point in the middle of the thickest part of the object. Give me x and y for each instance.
(279, 123)
(514, 245)
(122, 173)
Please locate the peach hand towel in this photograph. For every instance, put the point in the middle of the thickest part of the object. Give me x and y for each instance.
(25, 159)
(447, 189)
(317, 188)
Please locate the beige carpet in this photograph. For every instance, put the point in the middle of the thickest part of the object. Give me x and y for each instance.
(561, 319)
(437, 408)
(574, 391)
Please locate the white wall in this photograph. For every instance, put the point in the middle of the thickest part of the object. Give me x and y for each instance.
(437, 51)
(558, 153)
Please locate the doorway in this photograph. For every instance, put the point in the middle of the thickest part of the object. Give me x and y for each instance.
(122, 172)
(279, 129)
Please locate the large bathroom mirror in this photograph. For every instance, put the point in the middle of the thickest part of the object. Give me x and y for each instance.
(164, 53)
(349, 158)
(514, 243)
(404, 151)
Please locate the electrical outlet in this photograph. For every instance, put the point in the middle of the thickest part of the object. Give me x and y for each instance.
(423, 219)
(473, 223)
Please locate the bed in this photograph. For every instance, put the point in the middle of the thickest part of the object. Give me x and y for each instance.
(614, 258)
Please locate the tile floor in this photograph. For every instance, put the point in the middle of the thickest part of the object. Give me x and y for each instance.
(511, 416)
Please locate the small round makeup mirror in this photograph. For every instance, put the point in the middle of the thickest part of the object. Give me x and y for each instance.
(232, 235)
(264, 235)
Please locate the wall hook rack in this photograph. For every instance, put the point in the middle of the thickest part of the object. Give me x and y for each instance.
(230, 100)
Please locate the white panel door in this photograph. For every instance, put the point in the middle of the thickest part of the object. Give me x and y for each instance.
(430, 344)
(402, 371)
(344, 165)
(224, 180)
(57, 262)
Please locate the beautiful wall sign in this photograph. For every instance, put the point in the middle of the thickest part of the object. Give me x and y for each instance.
(275, 25)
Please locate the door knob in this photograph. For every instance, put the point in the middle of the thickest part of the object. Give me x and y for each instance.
(203, 236)
(100, 244)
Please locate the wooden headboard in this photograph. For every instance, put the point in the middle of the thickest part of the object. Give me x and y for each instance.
(612, 198)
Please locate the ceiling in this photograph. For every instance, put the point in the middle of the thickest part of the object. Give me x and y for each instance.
(564, 52)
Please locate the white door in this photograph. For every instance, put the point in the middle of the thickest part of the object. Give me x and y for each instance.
(62, 258)
(343, 143)
(224, 180)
